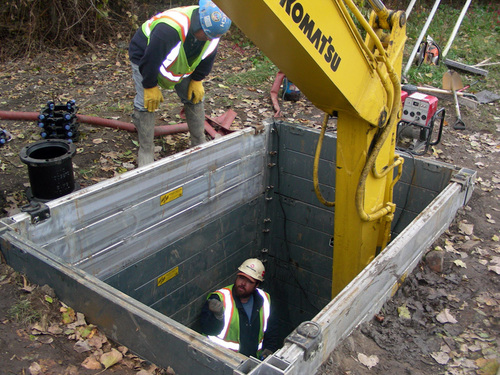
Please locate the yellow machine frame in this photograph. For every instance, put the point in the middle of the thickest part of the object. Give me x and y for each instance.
(319, 46)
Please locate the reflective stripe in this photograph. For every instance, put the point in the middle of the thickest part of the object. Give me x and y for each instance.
(181, 19)
(175, 67)
(267, 308)
(211, 48)
(267, 311)
(172, 56)
(170, 59)
(228, 312)
(228, 302)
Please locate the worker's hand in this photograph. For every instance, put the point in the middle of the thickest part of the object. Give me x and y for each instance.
(152, 98)
(196, 92)
(266, 353)
(216, 306)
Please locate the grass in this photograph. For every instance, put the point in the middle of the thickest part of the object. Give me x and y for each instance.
(262, 69)
(477, 39)
(23, 312)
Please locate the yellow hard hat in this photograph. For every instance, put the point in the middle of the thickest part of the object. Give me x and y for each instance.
(254, 268)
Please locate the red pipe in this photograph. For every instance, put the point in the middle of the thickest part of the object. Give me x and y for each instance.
(224, 121)
(115, 124)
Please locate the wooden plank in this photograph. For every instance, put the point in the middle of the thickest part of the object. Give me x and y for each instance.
(465, 68)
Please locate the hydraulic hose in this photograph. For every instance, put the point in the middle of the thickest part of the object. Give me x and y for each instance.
(316, 163)
(98, 121)
(393, 96)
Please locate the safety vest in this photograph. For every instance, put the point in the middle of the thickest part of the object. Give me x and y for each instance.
(229, 337)
(175, 66)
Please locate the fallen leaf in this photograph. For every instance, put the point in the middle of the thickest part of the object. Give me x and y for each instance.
(91, 363)
(495, 269)
(35, 369)
(87, 331)
(460, 263)
(488, 366)
(495, 238)
(445, 317)
(468, 229)
(110, 358)
(465, 363)
(368, 361)
(123, 349)
(97, 341)
(45, 340)
(68, 316)
(440, 357)
(55, 329)
(27, 288)
(486, 299)
(403, 312)
(82, 346)
(37, 329)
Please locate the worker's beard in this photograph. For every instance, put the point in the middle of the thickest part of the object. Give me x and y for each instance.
(242, 292)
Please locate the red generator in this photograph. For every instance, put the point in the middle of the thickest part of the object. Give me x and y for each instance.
(419, 108)
(416, 129)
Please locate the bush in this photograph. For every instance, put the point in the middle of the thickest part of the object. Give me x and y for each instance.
(27, 26)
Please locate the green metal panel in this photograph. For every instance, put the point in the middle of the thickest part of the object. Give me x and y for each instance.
(203, 259)
(420, 182)
(243, 199)
(144, 331)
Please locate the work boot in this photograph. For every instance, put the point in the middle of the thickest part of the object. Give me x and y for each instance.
(145, 124)
(195, 118)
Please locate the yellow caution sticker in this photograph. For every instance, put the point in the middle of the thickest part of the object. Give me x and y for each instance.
(170, 196)
(167, 276)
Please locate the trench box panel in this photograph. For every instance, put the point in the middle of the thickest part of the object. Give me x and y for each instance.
(300, 245)
(167, 234)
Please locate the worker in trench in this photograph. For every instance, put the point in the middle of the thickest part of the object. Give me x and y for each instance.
(239, 316)
(175, 49)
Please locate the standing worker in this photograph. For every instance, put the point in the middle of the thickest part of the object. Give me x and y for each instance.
(238, 317)
(174, 49)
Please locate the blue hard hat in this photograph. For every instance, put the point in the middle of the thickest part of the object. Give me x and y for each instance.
(213, 20)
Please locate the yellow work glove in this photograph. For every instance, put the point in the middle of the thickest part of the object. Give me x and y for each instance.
(196, 92)
(152, 98)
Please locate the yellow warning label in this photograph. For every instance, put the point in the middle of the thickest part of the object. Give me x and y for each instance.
(170, 196)
(167, 276)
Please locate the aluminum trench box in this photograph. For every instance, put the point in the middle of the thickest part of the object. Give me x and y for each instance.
(137, 254)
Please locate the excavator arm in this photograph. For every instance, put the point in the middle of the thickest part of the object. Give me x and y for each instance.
(319, 45)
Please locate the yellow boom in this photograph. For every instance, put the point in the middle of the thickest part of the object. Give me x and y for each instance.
(319, 46)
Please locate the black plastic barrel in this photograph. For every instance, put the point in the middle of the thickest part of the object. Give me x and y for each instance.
(50, 168)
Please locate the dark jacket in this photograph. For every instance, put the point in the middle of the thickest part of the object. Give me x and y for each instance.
(162, 39)
(249, 330)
